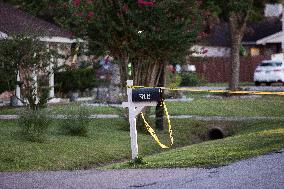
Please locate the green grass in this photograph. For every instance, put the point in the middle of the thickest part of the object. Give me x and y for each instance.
(65, 108)
(226, 84)
(9, 110)
(268, 106)
(255, 138)
(107, 142)
(62, 109)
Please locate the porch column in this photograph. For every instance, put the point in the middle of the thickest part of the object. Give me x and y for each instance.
(18, 89)
(34, 85)
(51, 80)
(51, 75)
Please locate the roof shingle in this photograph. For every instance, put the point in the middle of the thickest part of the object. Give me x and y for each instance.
(15, 21)
(259, 30)
(220, 34)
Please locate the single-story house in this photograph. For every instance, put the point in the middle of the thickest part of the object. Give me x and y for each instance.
(265, 37)
(277, 37)
(262, 40)
(215, 44)
(16, 22)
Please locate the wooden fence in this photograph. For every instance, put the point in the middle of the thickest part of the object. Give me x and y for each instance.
(218, 69)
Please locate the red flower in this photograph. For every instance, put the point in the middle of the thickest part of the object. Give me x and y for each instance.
(80, 14)
(76, 3)
(199, 2)
(205, 51)
(90, 2)
(146, 3)
(125, 8)
(91, 14)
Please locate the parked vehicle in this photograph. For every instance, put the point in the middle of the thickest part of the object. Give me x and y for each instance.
(269, 71)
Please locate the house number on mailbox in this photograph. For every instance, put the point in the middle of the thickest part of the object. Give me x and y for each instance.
(145, 96)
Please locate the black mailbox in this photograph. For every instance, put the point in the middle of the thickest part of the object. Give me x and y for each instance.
(146, 95)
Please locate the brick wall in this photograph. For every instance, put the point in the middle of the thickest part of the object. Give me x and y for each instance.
(218, 69)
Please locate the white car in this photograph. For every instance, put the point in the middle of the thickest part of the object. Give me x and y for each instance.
(269, 71)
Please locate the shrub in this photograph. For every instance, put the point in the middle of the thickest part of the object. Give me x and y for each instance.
(137, 161)
(190, 79)
(76, 121)
(25, 55)
(77, 79)
(6, 84)
(172, 81)
(34, 125)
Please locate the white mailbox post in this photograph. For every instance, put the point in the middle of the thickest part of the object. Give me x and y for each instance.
(134, 109)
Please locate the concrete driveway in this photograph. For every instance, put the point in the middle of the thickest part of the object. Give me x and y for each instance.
(261, 172)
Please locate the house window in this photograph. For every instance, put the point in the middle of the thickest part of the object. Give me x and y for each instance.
(254, 51)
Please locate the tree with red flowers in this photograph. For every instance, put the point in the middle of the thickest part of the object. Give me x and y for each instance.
(146, 33)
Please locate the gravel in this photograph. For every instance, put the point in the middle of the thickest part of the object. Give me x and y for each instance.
(261, 172)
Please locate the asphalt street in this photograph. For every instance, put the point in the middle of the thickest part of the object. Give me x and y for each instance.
(261, 172)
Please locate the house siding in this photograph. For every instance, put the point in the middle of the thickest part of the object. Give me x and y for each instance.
(210, 51)
(265, 50)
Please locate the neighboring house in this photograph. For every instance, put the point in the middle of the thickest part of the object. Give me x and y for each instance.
(262, 40)
(16, 22)
(216, 44)
(265, 37)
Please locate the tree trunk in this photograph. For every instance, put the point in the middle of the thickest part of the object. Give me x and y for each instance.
(123, 69)
(237, 24)
(159, 108)
(147, 73)
(235, 61)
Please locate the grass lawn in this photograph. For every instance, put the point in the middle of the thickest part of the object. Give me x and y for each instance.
(107, 142)
(268, 106)
(65, 108)
(253, 139)
(226, 84)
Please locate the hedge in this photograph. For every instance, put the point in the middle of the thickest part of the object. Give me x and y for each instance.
(75, 79)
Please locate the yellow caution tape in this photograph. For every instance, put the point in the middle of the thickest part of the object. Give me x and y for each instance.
(280, 93)
(152, 132)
